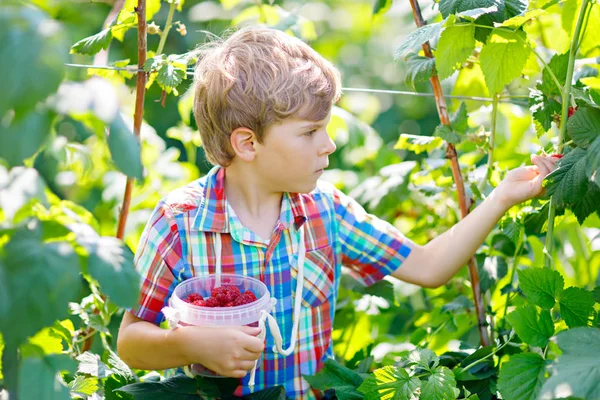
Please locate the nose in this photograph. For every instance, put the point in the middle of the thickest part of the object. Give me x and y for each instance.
(329, 146)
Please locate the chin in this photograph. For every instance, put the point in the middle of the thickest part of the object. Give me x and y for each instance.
(302, 188)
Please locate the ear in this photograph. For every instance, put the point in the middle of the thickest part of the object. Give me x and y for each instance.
(243, 142)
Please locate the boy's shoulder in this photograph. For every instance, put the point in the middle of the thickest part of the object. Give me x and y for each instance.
(188, 197)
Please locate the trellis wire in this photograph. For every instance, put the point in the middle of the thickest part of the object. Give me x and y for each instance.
(503, 99)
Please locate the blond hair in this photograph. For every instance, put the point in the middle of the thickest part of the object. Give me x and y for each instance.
(257, 77)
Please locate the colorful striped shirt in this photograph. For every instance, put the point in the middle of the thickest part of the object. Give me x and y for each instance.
(178, 243)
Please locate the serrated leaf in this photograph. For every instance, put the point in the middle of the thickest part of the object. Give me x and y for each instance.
(492, 269)
(596, 294)
(448, 7)
(417, 143)
(416, 38)
(543, 109)
(576, 305)
(568, 183)
(390, 382)
(440, 385)
(584, 126)
(92, 364)
(459, 121)
(83, 386)
(93, 44)
(445, 132)
(522, 377)
(575, 373)
(532, 327)
(503, 58)
(477, 12)
(513, 229)
(418, 69)
(541, 285)
(558, 65)
(154, 63)
(456, 44)
(424, 357)
(170, 76)
(593, 162)
(589, 204)
(335, 375)
(125, 149)
(520, 20)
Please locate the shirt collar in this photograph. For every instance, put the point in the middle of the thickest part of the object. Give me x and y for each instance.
(213, 214)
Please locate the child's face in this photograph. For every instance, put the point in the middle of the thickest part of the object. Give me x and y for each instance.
(294, 153)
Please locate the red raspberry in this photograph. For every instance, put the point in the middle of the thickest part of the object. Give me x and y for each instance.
(572, 111)
(244, 299)
(249, 293)
(193, 298)
(559, 156)
(200, 303)
(212, 302)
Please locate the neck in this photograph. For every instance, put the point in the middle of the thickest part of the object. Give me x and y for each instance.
(248, 195)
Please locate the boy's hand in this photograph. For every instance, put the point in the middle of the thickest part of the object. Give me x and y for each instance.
(524, 183)
(228, 351)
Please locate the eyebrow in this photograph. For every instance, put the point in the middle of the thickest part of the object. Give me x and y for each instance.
(312, 125)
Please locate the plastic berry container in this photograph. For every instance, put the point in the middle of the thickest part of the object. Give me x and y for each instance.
(247, 314)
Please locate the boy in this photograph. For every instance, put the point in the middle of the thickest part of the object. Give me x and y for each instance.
(263, 100)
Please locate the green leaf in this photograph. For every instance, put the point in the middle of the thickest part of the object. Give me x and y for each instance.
(475, 13)
(417, 143)
(446, 133)
(273, 393)
(576, 305)
(418, 69)
(37, 377)
(390, 382)
(522, 377)
(91, 364)
(568, 183)
(558, 65)
(584, 126)
(440, 385)
(381, 6)
(416, 38)
(456, 44)
(593, 162)
(335, 375)
(37, 49)
(491, 270)
(576, 373)
(83, 386)
(110, 262)
(170, 76)
(178, 387)
(424, 357)
(541, 285)
(597, 294)
(533, 328)
(50, 270)
(459, 121)
(512, 228)
(125, 149)
(589, 204)
(93, 44)
(503, 58)
(544, 109)
(520, 20)
(25, 136)
(448, 7)
(22, 187)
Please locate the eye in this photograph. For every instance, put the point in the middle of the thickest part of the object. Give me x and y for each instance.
(311, 133)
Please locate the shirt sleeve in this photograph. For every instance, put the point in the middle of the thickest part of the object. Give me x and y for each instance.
(371, 247)
(157, 255)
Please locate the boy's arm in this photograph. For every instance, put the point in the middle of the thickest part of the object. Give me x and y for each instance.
(229, 351)
(433, 264)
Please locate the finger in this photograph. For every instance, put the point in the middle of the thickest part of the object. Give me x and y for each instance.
(249, 330)
(250, 355)
(238, 373)
(245, 365)
(254, 345)
(544, 166)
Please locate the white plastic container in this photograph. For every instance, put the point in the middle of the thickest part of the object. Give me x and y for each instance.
(247, 314)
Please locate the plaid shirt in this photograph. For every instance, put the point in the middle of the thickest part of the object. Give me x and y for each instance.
(178, 243)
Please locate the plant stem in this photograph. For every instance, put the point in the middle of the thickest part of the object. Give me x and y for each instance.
(463, 201)
(10, 369)
(566, 94)
(490, 161)
(474, 363)
(512, 278)
(165, 33)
